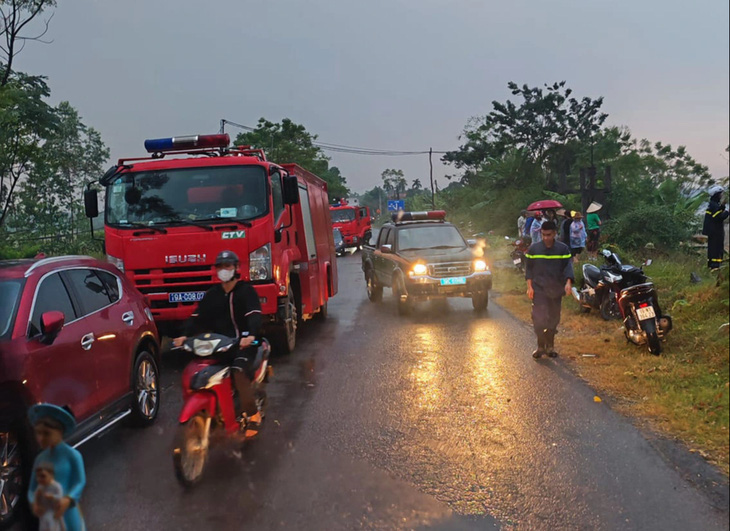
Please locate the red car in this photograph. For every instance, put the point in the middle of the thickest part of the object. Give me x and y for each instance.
(76, 333)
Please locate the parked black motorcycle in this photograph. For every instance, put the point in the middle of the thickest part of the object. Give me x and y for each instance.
(518, 253)
(624, 291)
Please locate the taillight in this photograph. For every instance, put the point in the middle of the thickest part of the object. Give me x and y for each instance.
(643, 304)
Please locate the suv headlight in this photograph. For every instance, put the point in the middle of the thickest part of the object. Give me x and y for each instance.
(480, 266)
(259, 263)
(118, 262)
(419, 270)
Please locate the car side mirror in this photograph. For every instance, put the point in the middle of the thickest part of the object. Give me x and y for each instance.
(91, 203)
(51, 325)
(290, 190)
(386, 249)
(471, 243)
(647, 263)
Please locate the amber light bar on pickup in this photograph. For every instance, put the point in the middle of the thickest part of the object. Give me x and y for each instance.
(419, 216)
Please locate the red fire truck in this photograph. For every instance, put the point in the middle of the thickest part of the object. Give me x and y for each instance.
(354, 222)
(168, 215)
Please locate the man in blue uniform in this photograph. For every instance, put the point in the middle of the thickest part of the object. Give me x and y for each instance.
(713, 227)
(549, 274)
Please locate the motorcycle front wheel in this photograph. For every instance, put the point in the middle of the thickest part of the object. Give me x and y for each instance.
(609, 308)
(652, 337)
(191, 452)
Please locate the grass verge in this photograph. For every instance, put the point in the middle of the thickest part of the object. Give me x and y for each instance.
(684, 392)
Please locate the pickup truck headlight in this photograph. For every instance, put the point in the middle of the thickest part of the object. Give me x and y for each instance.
(419, 270)
(259, 261)
(480, 266)
(118, 262)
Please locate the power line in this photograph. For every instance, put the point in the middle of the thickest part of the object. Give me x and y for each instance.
(340, 148)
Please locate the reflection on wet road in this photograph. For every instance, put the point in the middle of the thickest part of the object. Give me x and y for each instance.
(440, 420)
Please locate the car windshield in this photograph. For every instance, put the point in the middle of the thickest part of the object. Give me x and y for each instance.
(431, 237)
(342, 216)
(9, 298)
(187, 194)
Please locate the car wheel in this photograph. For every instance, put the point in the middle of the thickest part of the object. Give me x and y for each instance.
(480, 301)
(405, 304)
(15, 464)
(375, 291)
(146, 389)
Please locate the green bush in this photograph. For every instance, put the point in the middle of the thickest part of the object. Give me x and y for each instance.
(655, 224)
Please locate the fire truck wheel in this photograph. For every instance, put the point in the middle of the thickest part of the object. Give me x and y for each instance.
(321, 315)
(287, 336)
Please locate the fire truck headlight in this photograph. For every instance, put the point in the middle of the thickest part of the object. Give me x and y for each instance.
(260, 263)
(118, 262)
(480, 265)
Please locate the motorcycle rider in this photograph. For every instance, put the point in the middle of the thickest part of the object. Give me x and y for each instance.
(713, 227)
(549, 275)
(232, 309)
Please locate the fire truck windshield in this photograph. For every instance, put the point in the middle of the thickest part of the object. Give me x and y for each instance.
(174, 194)
(343, 216)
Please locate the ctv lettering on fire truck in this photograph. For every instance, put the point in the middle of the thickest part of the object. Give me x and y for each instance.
(169, 214)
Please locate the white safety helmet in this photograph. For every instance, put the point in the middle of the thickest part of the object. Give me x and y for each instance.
(715, 189)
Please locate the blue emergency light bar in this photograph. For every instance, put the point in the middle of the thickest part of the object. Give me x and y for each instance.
(178, 143)
(419, 216)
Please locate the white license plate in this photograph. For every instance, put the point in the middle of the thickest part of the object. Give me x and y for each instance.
(645, 313)
(187, 296)
(517, 261)
(453, 281)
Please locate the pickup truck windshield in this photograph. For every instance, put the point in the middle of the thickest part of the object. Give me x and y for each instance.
(9, 297)
(343, 216)
(433, 237)
(165, 196)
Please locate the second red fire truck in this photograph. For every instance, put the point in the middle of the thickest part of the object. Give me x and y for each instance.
(353, 221)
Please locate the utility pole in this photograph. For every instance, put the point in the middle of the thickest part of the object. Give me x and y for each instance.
(223, 126)
(430, 163)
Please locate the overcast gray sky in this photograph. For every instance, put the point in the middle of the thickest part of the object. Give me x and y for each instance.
(387, 74)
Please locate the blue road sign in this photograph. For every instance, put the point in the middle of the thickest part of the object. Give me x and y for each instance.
(396, 205)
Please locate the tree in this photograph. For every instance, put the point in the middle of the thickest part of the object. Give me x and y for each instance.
(15, 15)
(548, 126)
(394, 182)
(290, 142)
(72, 155)
(416, 185)
(25, 121)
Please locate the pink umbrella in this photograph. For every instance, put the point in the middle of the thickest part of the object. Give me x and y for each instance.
(544, 205)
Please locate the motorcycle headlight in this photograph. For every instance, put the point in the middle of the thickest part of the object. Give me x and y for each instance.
(117, 262)
(419, 270)
(480, 266)
(259, 261)
(203, 348)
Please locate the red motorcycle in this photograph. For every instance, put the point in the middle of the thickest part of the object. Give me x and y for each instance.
(208, 406)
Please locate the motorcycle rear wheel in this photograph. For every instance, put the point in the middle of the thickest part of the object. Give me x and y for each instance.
(652, 338)
(189, 455)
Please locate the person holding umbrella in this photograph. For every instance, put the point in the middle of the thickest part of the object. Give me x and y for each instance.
(549, 275)
(594, 229)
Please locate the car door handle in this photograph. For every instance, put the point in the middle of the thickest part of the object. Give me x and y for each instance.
(87, 341)
(128, 318)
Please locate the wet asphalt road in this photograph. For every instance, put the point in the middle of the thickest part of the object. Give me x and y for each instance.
(441, 420)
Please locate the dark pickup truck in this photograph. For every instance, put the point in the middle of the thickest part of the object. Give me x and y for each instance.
(421, 257)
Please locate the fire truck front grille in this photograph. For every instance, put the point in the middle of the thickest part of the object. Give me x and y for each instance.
(449, 269)
(173, 280)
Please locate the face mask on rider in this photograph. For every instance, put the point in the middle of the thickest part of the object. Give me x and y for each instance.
(225, 275)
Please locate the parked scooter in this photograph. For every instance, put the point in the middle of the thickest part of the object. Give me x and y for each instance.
(518, 253)
(208, 401)
(626, 292)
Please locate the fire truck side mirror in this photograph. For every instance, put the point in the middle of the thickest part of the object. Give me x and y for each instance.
(91, 203)
(290, 190)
